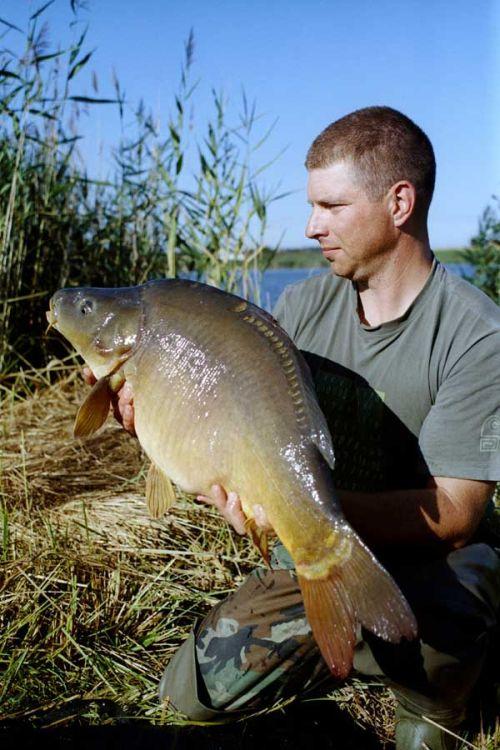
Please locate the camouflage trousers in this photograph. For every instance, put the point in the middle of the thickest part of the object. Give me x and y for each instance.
(256, 646)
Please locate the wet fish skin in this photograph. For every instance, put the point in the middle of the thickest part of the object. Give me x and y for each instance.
(221, 395)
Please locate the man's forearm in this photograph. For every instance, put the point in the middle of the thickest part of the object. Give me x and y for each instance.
(423, 517)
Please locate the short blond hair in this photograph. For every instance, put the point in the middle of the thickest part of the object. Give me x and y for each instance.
(384, 146)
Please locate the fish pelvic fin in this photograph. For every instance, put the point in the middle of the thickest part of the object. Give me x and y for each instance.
(359, 590)
(94, 411)
(160, 492)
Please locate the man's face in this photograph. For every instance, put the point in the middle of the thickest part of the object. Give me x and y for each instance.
(355, 233)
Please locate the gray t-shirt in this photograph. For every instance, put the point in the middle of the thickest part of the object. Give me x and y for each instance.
(417, 396)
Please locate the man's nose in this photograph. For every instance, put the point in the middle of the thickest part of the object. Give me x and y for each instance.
(315, 227)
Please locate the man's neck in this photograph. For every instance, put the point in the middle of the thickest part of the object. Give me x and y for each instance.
(388, 293)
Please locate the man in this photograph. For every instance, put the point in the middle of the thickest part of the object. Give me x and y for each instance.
(406, 361)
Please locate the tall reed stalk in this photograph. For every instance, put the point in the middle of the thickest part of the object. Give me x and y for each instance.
(174, 203)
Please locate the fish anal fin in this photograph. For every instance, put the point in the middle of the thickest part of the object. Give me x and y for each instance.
(94, 411)
(359, 590)
(260, 539)
(160, 493)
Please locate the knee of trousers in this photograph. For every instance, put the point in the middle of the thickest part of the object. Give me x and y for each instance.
(179, 686)
(452, 682)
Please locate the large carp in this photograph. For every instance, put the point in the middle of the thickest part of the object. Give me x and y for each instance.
(222, 396)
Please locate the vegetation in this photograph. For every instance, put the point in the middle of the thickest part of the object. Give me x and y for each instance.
(94, 596)
(307, 257)
(310, 257)
(152, 218)
(484, 253)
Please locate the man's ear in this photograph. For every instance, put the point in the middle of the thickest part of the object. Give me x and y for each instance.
(403, 200)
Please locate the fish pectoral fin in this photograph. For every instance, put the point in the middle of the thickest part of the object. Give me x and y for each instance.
(260, 538)
(160, 492)
(94, 411)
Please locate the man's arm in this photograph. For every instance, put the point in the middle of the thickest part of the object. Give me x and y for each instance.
(444, 513)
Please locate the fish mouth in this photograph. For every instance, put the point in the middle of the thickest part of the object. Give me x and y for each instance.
(51, 319)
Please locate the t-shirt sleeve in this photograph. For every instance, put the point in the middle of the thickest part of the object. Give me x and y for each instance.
(281, 312)
(460, 436)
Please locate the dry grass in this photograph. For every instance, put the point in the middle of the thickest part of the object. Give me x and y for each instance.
(95, 596)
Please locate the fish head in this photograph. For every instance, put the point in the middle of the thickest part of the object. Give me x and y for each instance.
(103, 325)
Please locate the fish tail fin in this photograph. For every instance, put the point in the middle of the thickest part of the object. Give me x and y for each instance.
(332, 620)
(357, 590)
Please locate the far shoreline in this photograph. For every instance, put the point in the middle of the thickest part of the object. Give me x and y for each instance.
(310, 257)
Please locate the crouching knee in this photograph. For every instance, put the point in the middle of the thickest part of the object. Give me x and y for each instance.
(179, 685)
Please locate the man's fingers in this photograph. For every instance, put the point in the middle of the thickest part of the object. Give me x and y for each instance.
(229, 505)
(126, 393)
(88, 376)
(219, 494)
(123, 409)
(234, 513)
(128, 418)
(217, 499)
(206, 499)
(261, 518)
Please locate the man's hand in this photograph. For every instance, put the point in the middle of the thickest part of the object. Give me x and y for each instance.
(122, 402)
(229, 505)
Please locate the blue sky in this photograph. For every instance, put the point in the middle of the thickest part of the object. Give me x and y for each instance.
(308, 63)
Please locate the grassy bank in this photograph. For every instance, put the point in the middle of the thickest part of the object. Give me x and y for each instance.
(311, 257)
(95, 597)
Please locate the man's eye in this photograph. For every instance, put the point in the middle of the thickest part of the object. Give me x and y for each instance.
(329, 206)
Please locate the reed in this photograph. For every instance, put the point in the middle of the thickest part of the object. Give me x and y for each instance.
(150, 219)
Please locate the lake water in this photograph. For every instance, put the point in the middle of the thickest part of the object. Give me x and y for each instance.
(274, 280)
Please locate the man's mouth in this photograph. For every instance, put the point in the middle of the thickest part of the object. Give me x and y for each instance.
(329, 251)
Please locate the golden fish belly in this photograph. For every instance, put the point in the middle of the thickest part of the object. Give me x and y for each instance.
(204, 416)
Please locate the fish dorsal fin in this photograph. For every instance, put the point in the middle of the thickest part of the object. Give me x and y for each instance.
(300, 383)
(307, 409)
(160, 493)
(320, 434)
(94, 411)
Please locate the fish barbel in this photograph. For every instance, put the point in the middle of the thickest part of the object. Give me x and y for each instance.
(223, 396)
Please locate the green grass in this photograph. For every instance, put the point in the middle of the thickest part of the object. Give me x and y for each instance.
(451, 255)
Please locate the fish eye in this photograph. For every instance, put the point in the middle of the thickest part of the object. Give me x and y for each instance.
(86, 306)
